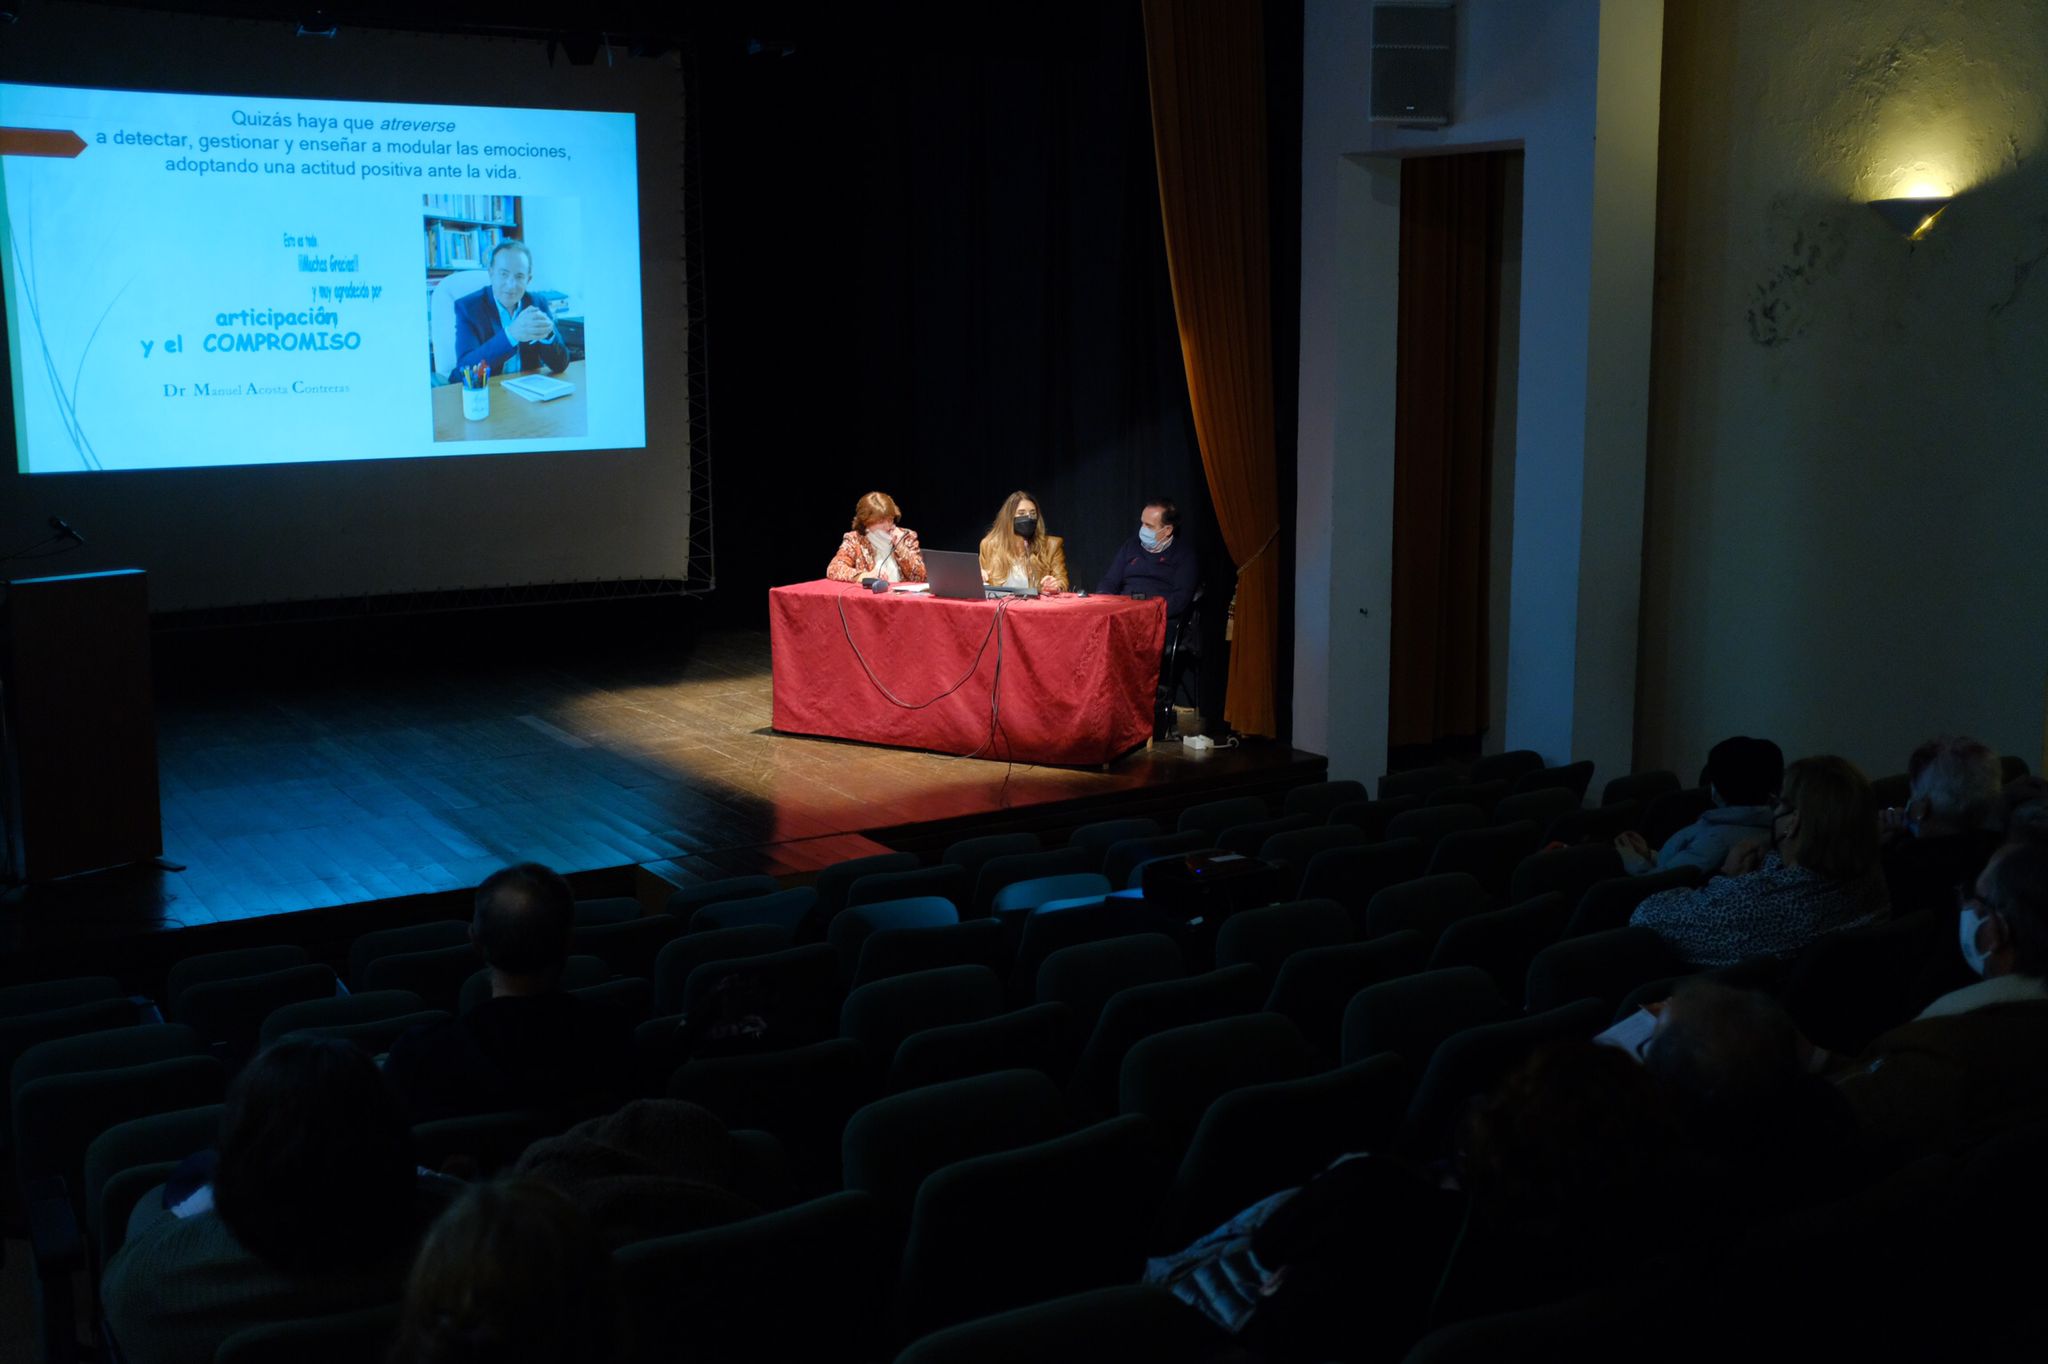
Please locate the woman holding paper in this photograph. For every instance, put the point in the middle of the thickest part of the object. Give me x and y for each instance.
(877, 547)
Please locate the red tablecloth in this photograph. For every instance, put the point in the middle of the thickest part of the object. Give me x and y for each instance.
(1077, 675)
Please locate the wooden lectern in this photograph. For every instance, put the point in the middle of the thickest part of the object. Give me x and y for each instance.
(81, 723)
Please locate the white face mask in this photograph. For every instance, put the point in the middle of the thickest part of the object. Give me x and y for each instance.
(880, 540)
(1967, 925)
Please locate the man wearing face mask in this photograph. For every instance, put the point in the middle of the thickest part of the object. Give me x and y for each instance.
(877, 547)
(1970, 1065)
(1154, 562)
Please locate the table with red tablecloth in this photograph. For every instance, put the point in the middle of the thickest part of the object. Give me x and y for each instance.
(1040, 680)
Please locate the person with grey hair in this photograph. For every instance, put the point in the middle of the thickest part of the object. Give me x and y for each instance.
(1970, 1065)
(1940, 840)
(502, 324)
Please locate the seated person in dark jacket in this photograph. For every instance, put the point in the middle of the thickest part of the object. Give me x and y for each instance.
(1777, 1135)
(504, 326)
(531, 1045)
(1155, 563)
(513, 1271)
(1969, 1065)
(313, 1208)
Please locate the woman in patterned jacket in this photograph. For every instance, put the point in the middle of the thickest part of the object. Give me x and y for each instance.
(877, 547)
(1820, 875)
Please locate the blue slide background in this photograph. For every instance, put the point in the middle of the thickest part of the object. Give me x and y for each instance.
(128, 280)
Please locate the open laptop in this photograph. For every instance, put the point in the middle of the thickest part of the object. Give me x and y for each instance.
(957, 575)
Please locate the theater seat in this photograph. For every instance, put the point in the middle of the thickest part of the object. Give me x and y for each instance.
(1213, 817)
(894, 951)
(1352, 875)
(680, 956)
(1134, 1014)
(1259, 1139)
(892, 1144)
(852, 928)
(1412, 1015)
(1473, 1060)
(880, 1015)
(807, 1283)
(344, 1338)
(1267, 937)
(1039, 1037)
(1321, 798)
(1022, 1226)
(1425, 905)
(1314, 985)
(803, 1096)
(1086, 975)
(339, 1011)
(1172, 1077)
(212, 966)
(1502, 942)
(1104, 1326)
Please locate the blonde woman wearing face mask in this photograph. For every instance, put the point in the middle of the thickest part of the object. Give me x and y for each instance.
(1018, 552)
(877, 547)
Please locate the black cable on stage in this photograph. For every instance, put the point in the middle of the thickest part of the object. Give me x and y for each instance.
(995, 691)
(892, 697)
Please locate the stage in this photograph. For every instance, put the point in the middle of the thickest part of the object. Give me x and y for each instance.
(310, 805)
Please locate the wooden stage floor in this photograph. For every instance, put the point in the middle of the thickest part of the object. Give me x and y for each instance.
(282, 799)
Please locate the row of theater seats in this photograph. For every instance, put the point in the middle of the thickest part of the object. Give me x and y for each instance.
(996, 1081)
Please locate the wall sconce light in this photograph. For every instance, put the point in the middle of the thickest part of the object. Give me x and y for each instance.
(1912, 218)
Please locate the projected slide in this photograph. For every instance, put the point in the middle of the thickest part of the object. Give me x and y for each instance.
(199, 280)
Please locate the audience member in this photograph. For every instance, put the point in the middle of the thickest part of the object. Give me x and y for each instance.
(1742, 776)
(1948, 827)
(1972, 1062)
(532, 1045)
(1557, 1168)
(657, 1167)
(2026, 807)
(1558, 1165)
(1819, 876)
(512, 1273)
(1776, 1135)
(313, 1208)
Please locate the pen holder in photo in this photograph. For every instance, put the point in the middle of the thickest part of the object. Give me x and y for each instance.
(476, 402)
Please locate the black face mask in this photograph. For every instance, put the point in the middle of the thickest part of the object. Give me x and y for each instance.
(1026, 526)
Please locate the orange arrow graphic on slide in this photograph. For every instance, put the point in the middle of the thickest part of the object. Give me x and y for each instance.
(58, 142)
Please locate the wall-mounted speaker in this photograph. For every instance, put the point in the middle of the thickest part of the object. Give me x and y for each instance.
(1412, 62)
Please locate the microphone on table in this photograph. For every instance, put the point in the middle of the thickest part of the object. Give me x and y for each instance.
(878, 583)
(63, 527)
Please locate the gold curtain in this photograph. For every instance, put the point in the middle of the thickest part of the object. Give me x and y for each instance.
(1206, 61)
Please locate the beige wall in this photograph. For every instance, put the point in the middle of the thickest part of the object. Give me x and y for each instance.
(1574, 84)
(1848, 465)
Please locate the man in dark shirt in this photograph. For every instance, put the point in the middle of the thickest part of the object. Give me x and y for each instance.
(532, 1046)
(1155, 563)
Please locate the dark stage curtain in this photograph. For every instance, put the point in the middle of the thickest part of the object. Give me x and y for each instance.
(1451, 224)
(936, 267)
(1207, 73)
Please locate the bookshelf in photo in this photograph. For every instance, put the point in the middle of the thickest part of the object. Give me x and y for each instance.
(462, 230)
